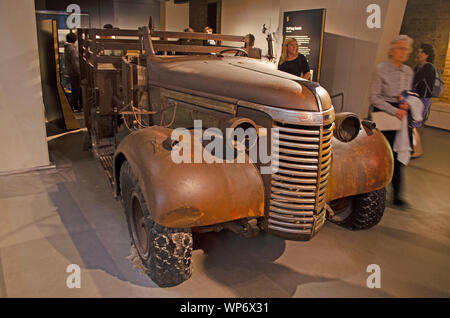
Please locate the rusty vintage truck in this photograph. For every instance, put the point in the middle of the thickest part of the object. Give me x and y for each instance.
(140, 85)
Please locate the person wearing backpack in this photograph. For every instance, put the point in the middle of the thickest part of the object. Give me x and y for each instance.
(423, 85)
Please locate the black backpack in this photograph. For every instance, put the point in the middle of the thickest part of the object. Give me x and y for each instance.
(438, 87)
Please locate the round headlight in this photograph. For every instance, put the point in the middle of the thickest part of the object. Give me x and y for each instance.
(241, 130)
(347, 126)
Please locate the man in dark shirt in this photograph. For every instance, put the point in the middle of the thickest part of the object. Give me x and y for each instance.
(423, 83)
(73, 70)
(424, 77)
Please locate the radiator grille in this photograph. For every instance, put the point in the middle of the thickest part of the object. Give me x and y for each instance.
(299, 187)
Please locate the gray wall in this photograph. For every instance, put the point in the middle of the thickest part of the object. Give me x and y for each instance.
(23, 140)
(131, 14)
(176, 16)
(100, 12)
(125, 14)
(351, 49)
(347, 67)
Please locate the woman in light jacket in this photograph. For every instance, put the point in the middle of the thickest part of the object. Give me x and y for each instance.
(391, 79)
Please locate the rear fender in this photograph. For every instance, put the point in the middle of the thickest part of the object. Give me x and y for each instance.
(187, 195)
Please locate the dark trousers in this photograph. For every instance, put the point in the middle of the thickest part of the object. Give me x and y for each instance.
(398, 166)
(75, 99)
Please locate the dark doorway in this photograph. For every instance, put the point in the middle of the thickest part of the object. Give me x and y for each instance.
(212, 16)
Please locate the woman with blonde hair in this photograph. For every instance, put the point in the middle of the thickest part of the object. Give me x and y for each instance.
(293, 62)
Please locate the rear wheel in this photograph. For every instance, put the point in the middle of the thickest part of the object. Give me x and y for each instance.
(165, 252)
(359, 212)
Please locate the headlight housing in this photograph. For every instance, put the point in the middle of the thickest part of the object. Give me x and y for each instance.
(348, 126)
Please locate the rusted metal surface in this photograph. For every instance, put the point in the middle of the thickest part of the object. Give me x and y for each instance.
(199, 101)
(247, 81)
(299, 187)
(190, 194)
(107, 164)
(324, 98)
(314, 167)
(288, 116)
(360, 166)
(106, 81)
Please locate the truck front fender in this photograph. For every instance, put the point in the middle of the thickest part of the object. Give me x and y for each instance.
(360, 166)
(187, 195)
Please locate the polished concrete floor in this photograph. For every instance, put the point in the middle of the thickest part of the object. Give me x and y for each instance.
(51, 219)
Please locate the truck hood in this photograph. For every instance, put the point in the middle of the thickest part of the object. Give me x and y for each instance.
(236, 78)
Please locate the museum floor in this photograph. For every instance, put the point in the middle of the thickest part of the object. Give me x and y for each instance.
(67, 215)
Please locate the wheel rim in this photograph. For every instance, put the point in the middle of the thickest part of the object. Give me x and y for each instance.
(342, 209)
(139, 227)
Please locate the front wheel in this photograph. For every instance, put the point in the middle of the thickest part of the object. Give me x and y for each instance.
(165, 252)
(360, 212)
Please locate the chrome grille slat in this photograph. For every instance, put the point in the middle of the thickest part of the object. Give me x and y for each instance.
(326, 144)
(327, 137)
(325, 159)
(297, 145)
(292, 212)
(292, 206)
(295, 152)
(322, 197)
(294, 180)
(325, 151)
(323, 185)
(293, 186)
(290, 192)
(291, 225)
(325, 169)
(295, 165)
(299, 187)
(298, 131)
(290, 219)
(298, 173)
(285, 198)
(297, 138)
(286, 230)
(297, 159)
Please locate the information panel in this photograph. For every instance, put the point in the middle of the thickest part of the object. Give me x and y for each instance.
(307, 27)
